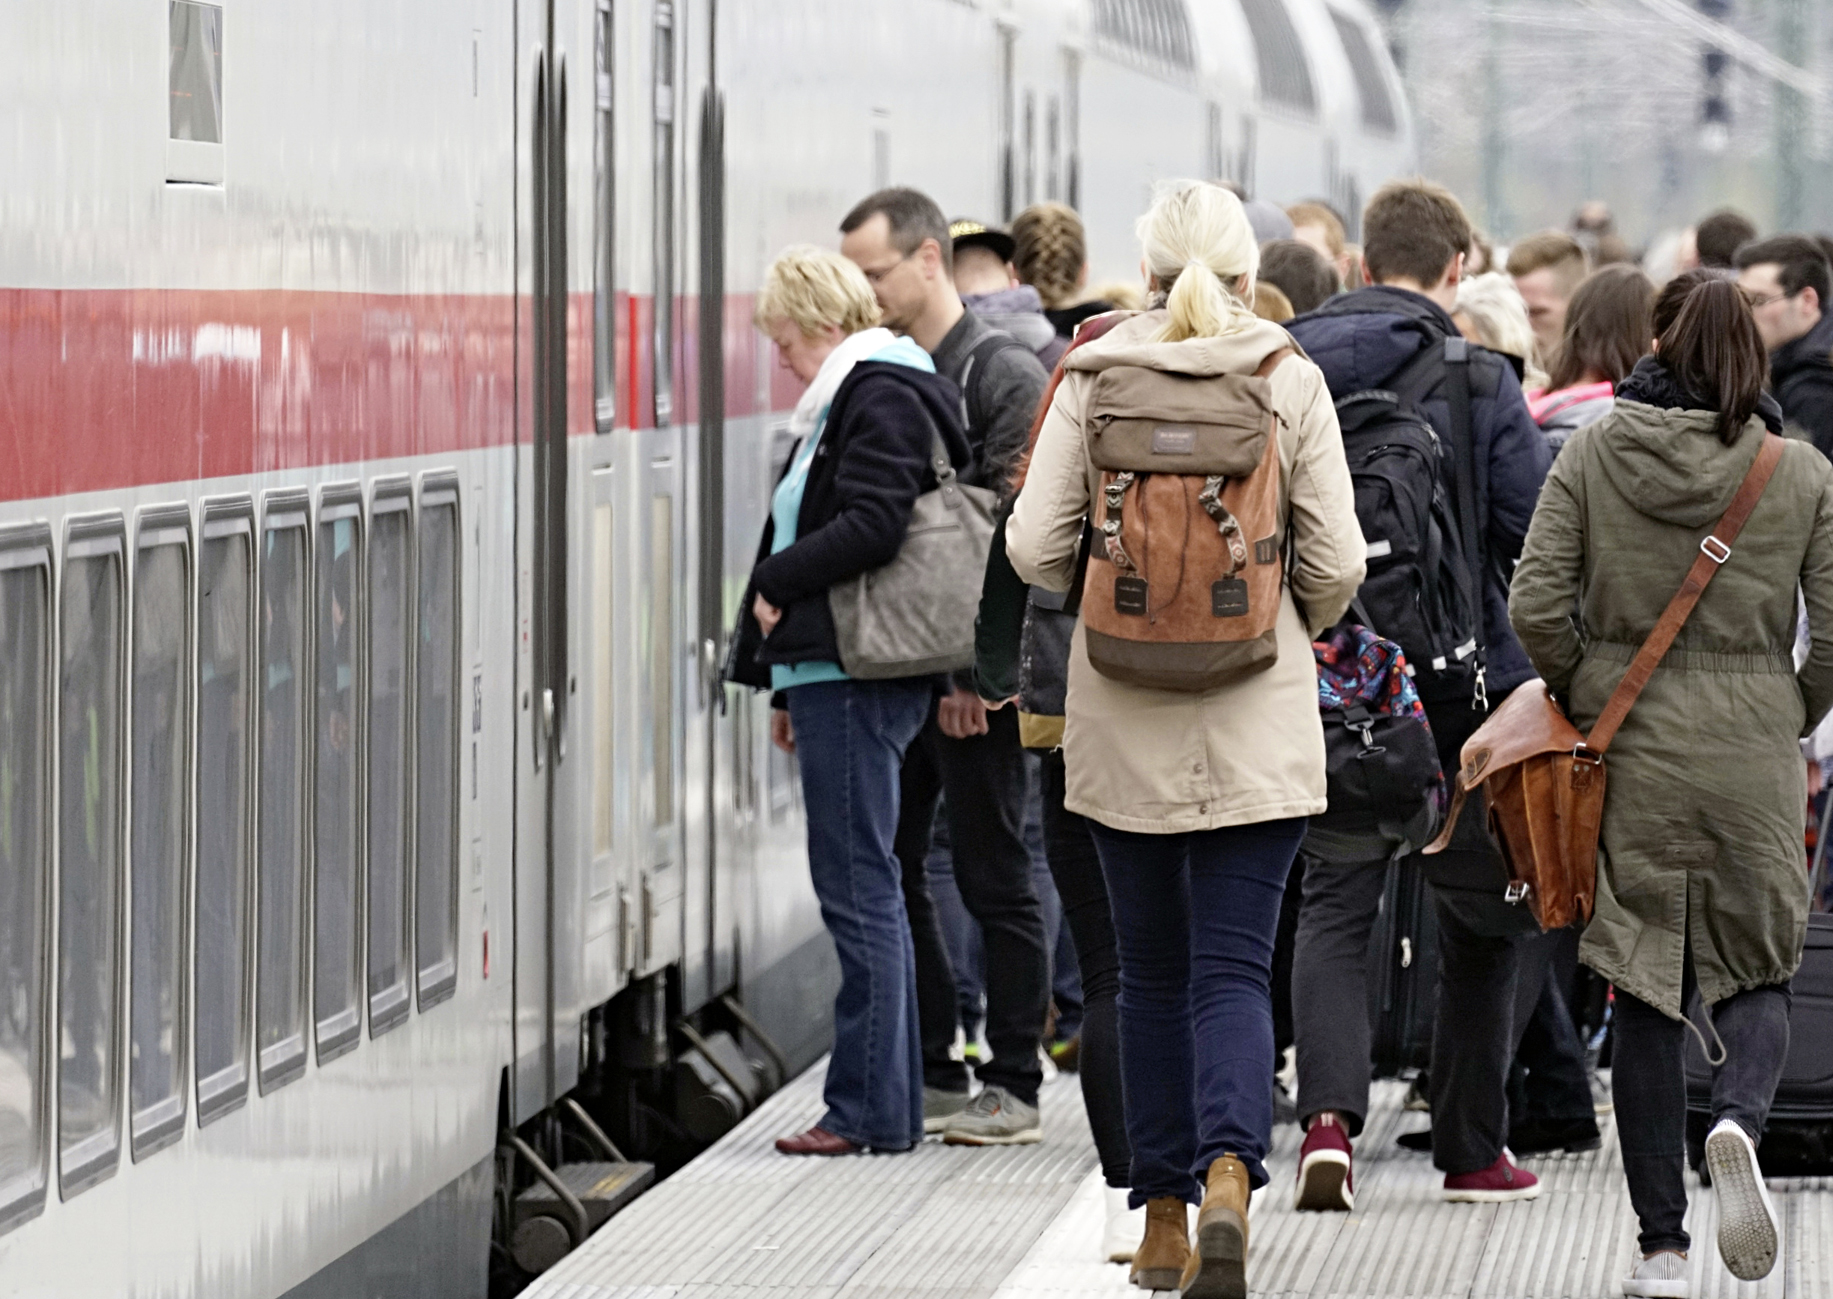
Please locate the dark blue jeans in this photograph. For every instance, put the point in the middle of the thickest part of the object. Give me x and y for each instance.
(1195, 915)
(850, 742)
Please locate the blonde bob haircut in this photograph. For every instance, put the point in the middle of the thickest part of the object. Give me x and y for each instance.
(1494, 306)
(814, 289)
(1198, 246)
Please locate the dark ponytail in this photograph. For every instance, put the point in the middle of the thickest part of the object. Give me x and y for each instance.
(1714, 352)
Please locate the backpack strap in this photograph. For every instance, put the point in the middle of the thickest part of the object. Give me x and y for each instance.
(973, 405)
(1713, 552)
(1464, 478)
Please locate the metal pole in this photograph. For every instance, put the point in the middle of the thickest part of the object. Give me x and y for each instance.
(1791, 118)
(1493, 170)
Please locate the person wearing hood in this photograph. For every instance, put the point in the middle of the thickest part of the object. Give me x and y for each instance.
(1609, 325)
(1786, 279)
(1700, 880)
(1197, 801)
(870, 421)
(990, 288)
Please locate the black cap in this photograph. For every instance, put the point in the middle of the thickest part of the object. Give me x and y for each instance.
(966, 233)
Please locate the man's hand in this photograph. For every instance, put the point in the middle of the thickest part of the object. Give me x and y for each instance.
(767, 615)
(961, 714)
(782, 733)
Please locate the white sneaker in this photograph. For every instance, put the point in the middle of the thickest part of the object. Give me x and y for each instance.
(1125, 1227)
(1748, 1236)
(1658, 1276)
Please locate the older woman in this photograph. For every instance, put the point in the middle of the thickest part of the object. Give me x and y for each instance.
(868, 421)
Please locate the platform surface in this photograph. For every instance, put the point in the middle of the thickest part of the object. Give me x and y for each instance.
(743, 1222)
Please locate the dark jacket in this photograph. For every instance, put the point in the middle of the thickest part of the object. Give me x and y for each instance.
(1801, 375)
(870, 466)
(1363, 339)
(1004, 393)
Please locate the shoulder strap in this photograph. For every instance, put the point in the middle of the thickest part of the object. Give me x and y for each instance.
(1713, 552)
(973, 409)
(1464, 480)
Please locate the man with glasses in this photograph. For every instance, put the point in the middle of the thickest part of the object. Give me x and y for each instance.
(900, 239)
(1785, 279)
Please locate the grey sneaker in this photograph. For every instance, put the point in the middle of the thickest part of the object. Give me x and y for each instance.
(1658, 1276)
(994, 1118)
(941, 1107)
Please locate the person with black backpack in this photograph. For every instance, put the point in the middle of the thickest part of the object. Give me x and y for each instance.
(1447, 465)
(900, 239)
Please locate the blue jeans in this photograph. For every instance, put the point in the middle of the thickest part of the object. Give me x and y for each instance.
(1195, 915)
(850, 742)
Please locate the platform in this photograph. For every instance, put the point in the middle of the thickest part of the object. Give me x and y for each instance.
(742, 1222)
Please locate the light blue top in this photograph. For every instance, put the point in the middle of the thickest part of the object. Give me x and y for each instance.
(786, 509)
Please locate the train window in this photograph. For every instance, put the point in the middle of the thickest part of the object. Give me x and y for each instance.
(89, 855)
(436, 787)
(662, 653)
(335, 968)
(156, 831)
(25, 846)
(603, 683)
(604, 248)
(1371, 86)
(280, 795)
(197, 72)
(1157, 29)
(1279, 55)
(224, 590)
(390, 556)
(663, 223)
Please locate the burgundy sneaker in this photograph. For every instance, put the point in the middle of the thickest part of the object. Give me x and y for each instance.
(1325, 1181)
(816, 1141)
(1501, 1181)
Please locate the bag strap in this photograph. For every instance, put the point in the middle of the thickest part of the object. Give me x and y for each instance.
(1713, 552)
(1464, 480)
(973, 407)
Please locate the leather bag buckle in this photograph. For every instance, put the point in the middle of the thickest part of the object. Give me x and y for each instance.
(1715, 550)
(1582, 754)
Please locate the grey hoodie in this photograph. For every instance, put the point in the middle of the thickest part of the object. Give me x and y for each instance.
(1020, 312)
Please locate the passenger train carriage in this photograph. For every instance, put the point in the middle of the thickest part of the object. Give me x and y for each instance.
(383, 443)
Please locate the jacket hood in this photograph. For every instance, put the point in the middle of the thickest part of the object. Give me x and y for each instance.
(1362, 339)
(1018, 310)
(1670, 463)
(1135, 342)
(941, 398)
(1812, 351)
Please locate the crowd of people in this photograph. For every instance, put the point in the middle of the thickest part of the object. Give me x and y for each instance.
(1190, 484)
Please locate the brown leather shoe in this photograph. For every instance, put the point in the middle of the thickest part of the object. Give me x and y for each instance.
(816, 1141)
(1218, 1266)
(1159, 1260)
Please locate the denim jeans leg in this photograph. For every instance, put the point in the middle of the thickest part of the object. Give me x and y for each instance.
(1330, 1018)
(850, 741)
(1148, 883)
(1753, 1025)
(1649, 1087)
(1237, 883)
(920, 789)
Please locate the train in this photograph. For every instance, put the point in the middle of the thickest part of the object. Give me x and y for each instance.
(384, 439)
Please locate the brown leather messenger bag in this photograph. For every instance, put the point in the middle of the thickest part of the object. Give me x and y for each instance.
(1544, 782)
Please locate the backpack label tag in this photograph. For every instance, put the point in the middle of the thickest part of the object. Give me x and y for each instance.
(1130, 596)
(1266, 550)
(1174, 440)
(1228, 598)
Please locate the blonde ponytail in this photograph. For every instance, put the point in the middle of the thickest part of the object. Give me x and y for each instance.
(1198, 244)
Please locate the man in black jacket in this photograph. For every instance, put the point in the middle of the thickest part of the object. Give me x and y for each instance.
(1786, 279)
(900, 239)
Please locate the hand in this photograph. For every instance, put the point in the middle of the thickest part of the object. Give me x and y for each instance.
(767, 615)
(961, 714)
(782, 731)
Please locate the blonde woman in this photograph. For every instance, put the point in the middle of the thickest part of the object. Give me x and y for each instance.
(1491, 313)
(869, 420)
(1197, 801)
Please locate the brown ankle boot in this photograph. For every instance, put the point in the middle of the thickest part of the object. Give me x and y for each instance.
(1159, 1260)
(1218, 1266)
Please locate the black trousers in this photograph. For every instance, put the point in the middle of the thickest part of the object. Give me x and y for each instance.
(985, 779)
(1076, 868)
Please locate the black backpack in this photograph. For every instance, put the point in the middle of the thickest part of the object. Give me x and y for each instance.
(1424, 587)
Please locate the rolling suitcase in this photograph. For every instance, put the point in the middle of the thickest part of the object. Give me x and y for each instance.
(1799, 1141)
(1403, 973)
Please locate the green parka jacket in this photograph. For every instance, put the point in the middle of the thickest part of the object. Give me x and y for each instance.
(1705, 809)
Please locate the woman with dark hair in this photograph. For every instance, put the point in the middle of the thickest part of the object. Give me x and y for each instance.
(1700, 881)
(1609, 327)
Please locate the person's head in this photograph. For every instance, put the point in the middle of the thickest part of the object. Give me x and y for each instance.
(1318, 226)
(1674, 293)
(982, 257)
(1300, 271)
(811, 300)
(1199, 249)
(1481, 259)
(1610, 323)
(1718, 238)
(1594, 217)
(1051, 252)
(1415, 236)
(1271, 304)
(899, 238)
(1714, 352)
(1786, 279)
(1547, 268)
(1490, 313)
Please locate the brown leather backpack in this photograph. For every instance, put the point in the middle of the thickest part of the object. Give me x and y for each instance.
(1544, 781)
(1183, 583)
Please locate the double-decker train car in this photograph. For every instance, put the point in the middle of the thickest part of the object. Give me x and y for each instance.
(383, 444)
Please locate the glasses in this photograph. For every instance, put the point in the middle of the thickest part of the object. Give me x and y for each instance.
(1759, 300)
(877, 277)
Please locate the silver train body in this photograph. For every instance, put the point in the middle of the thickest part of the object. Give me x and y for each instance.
(383, 445)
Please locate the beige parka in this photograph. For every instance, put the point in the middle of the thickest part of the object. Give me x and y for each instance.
(1162, 761)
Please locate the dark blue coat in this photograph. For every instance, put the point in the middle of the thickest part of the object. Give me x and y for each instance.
(1362, 340)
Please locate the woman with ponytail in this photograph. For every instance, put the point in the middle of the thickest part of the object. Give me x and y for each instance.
(1197, 799)
(1701, 884)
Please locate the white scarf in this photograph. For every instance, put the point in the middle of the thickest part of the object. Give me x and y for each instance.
(852, 349)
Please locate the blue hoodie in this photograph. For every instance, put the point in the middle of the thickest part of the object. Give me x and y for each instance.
(1362, 340)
